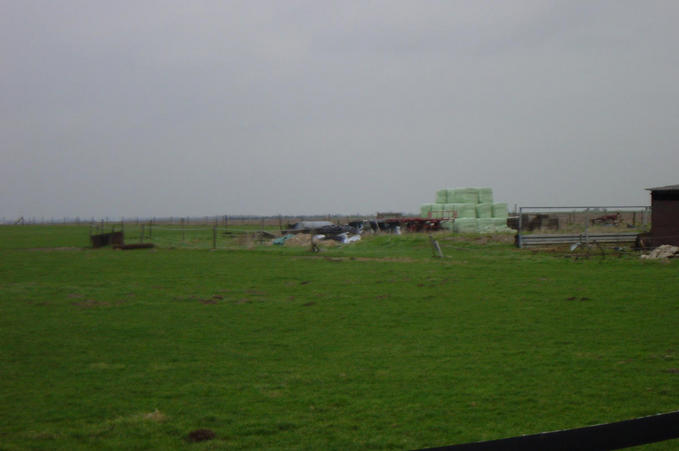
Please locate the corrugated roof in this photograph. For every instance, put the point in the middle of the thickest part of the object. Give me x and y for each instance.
(665, 188)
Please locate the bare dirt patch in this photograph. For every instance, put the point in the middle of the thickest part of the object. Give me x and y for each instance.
(200, 435)
(213, 300)
(575, 298)
(106, 366)
(156, 416)
(304, 239)
(53, 249)
(91, 303)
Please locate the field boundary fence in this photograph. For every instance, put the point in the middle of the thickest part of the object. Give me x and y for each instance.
(219, 220)
(195, 232)
(580, 225)
(208, 232)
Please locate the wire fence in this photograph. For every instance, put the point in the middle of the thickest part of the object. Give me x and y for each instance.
(177, 236)
(280, 221)
(582, 230)
(598, 219)
(209, 232)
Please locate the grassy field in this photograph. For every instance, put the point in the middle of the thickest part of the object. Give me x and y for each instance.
(375, 345)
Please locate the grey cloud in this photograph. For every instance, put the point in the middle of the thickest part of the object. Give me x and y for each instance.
(170, 108)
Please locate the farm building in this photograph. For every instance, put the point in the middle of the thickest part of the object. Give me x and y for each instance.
(664, 216)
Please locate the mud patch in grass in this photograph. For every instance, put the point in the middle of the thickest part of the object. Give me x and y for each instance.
(200, 435)
(106, 366)
(90, 303)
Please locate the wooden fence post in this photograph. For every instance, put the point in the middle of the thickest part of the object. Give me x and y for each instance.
(435, 247)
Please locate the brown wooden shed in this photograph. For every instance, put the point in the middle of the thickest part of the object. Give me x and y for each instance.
(664, 216)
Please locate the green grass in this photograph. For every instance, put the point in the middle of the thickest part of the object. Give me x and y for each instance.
(373, 345)
(34, 237)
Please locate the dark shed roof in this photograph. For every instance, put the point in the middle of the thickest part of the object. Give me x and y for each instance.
(665, 188)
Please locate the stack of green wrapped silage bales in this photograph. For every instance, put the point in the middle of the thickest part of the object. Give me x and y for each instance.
(466, 225)
(457, 196)
(500, 215)
(466, 210)
(452, 198)
(486, 225)
(437, 211)
(450, 210)
(485, 195)
(484, 210)
(473, 209)
(467, 195)
(466, 220)
(500, 210)
(500, 225)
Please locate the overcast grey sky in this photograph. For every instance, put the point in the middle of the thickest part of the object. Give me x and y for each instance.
(151, 108)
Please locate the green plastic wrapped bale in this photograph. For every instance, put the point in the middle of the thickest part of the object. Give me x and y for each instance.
(437, 211)
(501, 225)
(467, 196)
(485, 195)
(447, 225)
(466, 210)
(500, 221)
(442, 196)
(455, 196)
(486, 225)
(500, 210)
(452, 210)
(466, 225)
(449, 210)
(425, 210)
(484, 210)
